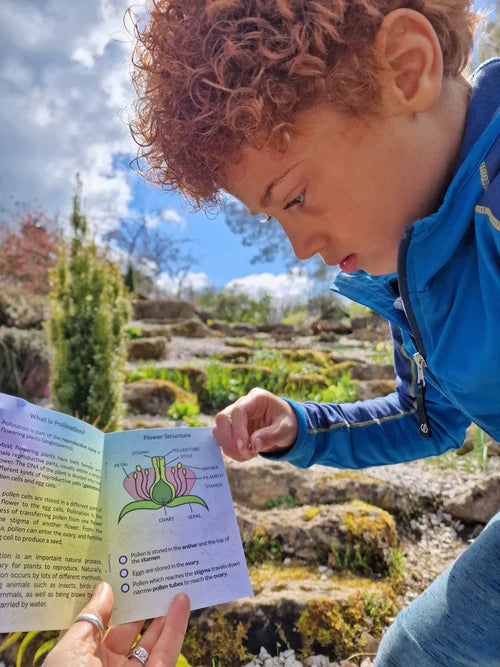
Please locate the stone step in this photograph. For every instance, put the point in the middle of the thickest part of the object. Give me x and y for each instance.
(354, 536)
(260, 484)
(296, 606)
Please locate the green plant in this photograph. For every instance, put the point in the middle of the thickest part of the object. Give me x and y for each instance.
(335, 627)
(182, 410)
(370, 541)
(281, 501)
(261, 547)
(31, 646)
(480, 441)
(222, 644)
(90, 306)
(131, 333)
(180, 378)
(384, 353)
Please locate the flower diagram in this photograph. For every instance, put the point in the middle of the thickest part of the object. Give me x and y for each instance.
(159, 486)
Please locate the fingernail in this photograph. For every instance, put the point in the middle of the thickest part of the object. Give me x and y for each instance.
(240, 444)
(257, 444)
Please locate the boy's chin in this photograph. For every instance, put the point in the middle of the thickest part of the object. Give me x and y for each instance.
(379, 268)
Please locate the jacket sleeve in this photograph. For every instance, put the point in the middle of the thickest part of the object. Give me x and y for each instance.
(378, 431)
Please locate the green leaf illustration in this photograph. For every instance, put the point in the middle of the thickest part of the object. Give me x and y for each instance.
(186, 500)
(138, 505)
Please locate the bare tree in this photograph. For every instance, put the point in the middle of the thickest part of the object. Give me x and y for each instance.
(151, 250)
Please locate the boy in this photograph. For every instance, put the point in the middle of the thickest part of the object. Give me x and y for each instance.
(350, 123)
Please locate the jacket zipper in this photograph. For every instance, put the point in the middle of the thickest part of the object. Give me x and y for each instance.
(423, 423)
(419, 356)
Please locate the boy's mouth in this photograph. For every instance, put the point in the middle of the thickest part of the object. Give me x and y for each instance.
(350, 263)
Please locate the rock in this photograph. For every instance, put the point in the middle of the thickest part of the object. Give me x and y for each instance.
(332, 326)
(308, 381)
(478, 504)
(152, 330)
(280, 601)
(317, 661)
(128, 424)
(260, 483)
(467, 447)
(370, 643)
(311, 534)
(146, 348)
(371, 327)
(361, 370)
(192, 328)
(278, 329)
(493, 448)
(366, 389)
(163, 310)
(316, 357)
(263, 654)
(154, 397)
(235, 354)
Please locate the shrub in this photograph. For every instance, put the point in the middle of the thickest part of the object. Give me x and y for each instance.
(24, 363)
(236, 306)
(21, 309)
(90, 307)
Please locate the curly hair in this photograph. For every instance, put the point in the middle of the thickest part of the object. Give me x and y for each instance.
(212, 76)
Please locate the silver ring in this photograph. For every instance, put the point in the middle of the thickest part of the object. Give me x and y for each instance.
(140, 653)
(92, 618)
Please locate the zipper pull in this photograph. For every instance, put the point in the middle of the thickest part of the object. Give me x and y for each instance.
(423, 425)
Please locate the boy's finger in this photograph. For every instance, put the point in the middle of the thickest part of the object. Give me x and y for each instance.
(239, 422)
(169, 645)
(87, 632)
(223, 433)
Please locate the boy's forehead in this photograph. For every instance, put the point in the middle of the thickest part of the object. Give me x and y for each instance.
(250, 178)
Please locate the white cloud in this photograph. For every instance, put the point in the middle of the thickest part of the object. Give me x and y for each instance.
(64, 84)
(190, 282)
(284, 287)
(170, 215)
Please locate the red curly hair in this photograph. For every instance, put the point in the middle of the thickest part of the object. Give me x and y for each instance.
(214, 75)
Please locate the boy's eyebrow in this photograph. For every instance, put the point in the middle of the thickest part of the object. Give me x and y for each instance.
(266, 197)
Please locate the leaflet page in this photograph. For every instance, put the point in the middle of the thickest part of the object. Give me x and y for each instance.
(51, 516)
(171, 522)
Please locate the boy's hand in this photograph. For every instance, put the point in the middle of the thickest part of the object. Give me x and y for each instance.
(257, 422)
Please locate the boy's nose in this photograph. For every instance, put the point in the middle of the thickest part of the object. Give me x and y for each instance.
(305, 244)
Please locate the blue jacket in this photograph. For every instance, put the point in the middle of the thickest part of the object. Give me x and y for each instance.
(444, 311)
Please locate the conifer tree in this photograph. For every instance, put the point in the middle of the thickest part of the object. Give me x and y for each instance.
(90, 307)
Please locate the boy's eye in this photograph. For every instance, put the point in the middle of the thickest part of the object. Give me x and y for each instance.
(297, 201)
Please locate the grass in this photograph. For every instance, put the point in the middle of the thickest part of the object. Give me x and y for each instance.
(474, 461)
(268, 369)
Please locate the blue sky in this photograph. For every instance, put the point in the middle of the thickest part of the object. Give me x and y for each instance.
(222, 256)
(66, 102)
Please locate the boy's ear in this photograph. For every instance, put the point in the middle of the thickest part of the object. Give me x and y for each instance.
(411, 61)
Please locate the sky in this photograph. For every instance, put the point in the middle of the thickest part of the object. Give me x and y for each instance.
(66, 103)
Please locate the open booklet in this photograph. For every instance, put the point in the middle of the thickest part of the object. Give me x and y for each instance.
(149, 511)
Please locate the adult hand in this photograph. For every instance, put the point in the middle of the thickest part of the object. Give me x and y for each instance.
(257, 422)
(83, 646)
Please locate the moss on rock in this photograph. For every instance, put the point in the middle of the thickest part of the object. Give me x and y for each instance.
(369, 533)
